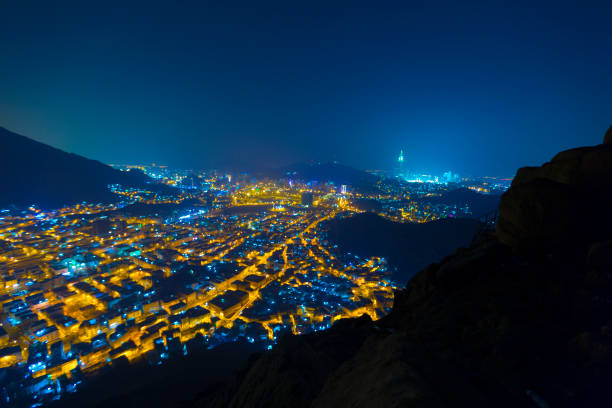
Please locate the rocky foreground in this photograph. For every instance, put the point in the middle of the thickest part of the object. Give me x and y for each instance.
(521, 318)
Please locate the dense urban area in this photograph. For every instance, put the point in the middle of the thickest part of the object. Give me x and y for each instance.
(223, 258)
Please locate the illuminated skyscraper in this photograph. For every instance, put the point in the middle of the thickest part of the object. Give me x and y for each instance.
(450, 177)
(399, 170)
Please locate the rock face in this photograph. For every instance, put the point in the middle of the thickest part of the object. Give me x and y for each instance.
(523, 320)
(608, 136)
(565, 202)
(295, 371)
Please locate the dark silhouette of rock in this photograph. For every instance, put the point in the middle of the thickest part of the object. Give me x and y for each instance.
(600, 255)
(140, 384)
(520, 321)
(537, 213)
(297, 369)
(608, 136)
(564, 202)
(35, 173)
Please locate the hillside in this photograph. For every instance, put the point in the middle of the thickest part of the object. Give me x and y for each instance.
(36, 173)
(521, 318)
(326, 172)
(408, 247)
(479, 204)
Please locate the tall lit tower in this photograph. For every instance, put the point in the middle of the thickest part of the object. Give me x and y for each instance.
(399, 171)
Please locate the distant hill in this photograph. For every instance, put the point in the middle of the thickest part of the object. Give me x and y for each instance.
(409, 247)
(479, 204)
(36, 173)
(326, 172)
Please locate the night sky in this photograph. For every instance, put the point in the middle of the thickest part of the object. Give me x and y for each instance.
(480, 90)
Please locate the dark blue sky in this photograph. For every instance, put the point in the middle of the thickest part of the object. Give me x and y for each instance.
(479, 89)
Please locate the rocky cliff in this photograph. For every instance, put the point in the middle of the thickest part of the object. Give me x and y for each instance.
(521, 318)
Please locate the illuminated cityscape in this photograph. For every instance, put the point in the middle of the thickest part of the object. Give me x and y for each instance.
(221, 259)
(280, 204)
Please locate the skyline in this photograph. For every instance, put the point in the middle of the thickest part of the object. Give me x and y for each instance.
(305, 204)
(203, 86)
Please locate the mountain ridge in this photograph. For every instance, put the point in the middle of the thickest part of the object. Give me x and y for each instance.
(50, 178)
(323, 172)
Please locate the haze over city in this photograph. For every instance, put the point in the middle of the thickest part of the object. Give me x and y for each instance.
(478, 88)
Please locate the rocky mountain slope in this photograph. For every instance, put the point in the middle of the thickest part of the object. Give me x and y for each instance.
(521, 318)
